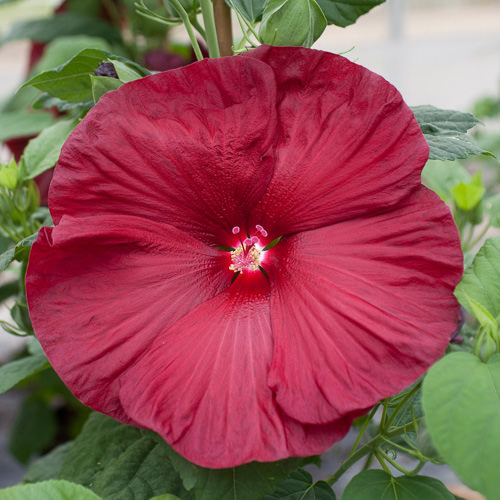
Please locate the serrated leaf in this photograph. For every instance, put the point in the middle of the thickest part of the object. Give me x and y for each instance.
(48, 490)
(446, 132)
(246, 482)
(481, 280)
(48, 466)
(16, 371)
(23, 123)
(378, 485)
(43, 151)
(115, 459)
(250, 9)
(300, 486)
(461, 398)
(345, 12)
(65, 24)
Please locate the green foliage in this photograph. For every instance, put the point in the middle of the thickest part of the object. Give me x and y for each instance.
(117, 461)
(23, 123)
(492, 208)
(299, 486)
(34, 428)
(102, 84)
(446, 132)
(467, 195)
(250, 9)
(48, 466)
(291, 22)
(16, 371)
(246, 482)
(441, 176)
(43, 151)
(461, 398)
(48, 490)
(66, 24)
(379, 485)
(481, 280)
(346, 12)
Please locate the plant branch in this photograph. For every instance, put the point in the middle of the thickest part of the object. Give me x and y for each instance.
(207, 13)
(222, 14)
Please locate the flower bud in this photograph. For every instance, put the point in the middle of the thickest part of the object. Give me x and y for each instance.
(292, 22)
(9, 175)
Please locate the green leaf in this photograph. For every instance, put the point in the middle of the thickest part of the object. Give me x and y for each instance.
(70, 81)
(126, 72)
(48, 490)
(167, 496)
(23, 123)
(446, 132)
(299, 486)
(34, 429)
(250, 9)
(64, 48)
(346, 12)
(118, 461)
(467, 195)
(492, 207)
(441, 176)
(65, 24)
(461, 398)
(378, 485)
(481, 280)
(247, 482)
(16, 371)
(103, 84)
(291, 22)
(48, 466)
(43, 151)
(6, 258)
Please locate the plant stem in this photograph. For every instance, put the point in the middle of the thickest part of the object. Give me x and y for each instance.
(370, 447)
(207, 13)
(222, 14)
(189, 28)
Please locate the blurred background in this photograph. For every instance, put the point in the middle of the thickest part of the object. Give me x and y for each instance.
(440, 52)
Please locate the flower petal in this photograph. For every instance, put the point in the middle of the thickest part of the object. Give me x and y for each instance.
(188, 146)
(362, 308)
(101, 289)
(203, 385)
(347, 143)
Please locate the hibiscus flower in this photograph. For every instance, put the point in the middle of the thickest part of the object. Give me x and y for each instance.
(244, 259)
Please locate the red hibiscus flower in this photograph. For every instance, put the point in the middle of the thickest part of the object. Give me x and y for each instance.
(254, 353)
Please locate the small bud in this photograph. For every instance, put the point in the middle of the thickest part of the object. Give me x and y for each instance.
(9, 175)
(106, 69)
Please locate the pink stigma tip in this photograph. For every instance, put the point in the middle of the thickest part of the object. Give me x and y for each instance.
(261, 230)
(236, 229)
(254, 239)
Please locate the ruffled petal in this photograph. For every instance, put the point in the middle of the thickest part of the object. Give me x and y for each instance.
(102, 289)
(203, 385)
(347, 144)
(362, 308)
(189, 147)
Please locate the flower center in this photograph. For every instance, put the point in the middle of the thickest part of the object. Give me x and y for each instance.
(248, 255)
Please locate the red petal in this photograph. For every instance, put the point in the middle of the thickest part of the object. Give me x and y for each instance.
(101, 290)
(348, 143)
(187, 146)
(362, 308)
(203, 385)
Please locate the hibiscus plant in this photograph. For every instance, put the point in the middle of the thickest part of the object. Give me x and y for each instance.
(243, 260)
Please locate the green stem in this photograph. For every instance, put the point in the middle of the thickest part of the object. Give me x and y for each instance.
(198, 27)
(363, 428)
(189, 28)
(471, 244)
(407, 472)
(369, 447)
(207, 13)
(401, 404)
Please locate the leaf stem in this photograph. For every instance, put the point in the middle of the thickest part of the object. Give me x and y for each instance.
(187, 23)
(207, 13)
